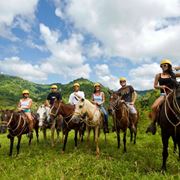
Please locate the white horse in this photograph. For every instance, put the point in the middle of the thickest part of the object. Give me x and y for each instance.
(45, 122)
(92, 116)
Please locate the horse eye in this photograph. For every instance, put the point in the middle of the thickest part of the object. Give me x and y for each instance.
(80, 106)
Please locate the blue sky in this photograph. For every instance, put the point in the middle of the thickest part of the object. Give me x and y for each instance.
(47, 41)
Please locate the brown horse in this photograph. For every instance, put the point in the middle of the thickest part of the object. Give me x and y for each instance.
(169, 121)
(17, 125)
(67, 110)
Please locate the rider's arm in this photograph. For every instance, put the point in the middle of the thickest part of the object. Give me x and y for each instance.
(177, 68)
(177, 74)
(134, 97)
(92, 99)
(47, 103)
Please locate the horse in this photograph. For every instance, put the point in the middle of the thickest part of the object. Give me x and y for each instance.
(17, 125)
(67, 110)
(120, 114)
(169, 121)
(43, 113)
(92, 116)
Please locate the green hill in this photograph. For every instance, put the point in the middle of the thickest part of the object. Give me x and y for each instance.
(11, 88)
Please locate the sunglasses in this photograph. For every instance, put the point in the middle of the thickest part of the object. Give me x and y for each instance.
(122, 81)
(164, 65)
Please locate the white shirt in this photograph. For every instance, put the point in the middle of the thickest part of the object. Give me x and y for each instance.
(73, 99)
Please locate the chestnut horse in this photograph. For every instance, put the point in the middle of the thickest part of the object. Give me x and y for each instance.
(169, 121)
(17, 125)
(67, 110)
(92, 116)
(45, 122)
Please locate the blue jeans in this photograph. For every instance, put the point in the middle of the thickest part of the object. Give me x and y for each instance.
(103, 110)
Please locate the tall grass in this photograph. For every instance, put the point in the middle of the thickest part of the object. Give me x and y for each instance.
(40, 161)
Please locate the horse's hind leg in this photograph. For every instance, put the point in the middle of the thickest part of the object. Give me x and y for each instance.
(124, 141)
(18, 144)
(118, 138)
(11, 145)
(165, 139)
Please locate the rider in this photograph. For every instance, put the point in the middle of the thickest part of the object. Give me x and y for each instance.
(164, 81)
(25, 105)
(128, 95)
(73, 98)
(98, 98)
(53, 95)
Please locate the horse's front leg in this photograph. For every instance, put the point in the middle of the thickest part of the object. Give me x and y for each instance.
(97, 140)
(37, 133)
(118, 137)
(18, 144)
(88, 135)
(165, 139)
(75, 138)
(44, 133)
(52, 133)
(11, 145)
(124, 141)
(65, 140)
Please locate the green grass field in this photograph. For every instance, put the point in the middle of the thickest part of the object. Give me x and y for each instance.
(40, 161)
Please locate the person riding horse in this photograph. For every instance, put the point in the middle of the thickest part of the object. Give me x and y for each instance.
(73, 98)
(98, 98)
(129, 96)
(52, 96)
(24, 105)
(166, 82)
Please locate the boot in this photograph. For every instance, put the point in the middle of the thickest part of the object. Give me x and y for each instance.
(106, 129)
(152, 128)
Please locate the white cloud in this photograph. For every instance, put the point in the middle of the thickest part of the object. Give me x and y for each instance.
(18, 67)
(105, 77)
(143, 76)
(128, 28)
(66, 56)
(16, 13)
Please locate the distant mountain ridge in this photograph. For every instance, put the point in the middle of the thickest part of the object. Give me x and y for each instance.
(12, 86)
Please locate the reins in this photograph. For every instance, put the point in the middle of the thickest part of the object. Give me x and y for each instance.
(176, 106)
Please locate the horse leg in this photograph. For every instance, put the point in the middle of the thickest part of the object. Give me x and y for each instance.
(118, 137)
(88, 135)
(18, 144)
(11, 145)
(52, 134)
(124, 141)
(44, 133)
(179, 149)
(30, 138)
(165, 139)
(37, 133)
(57, 132)
(65, 140)
(75, 138)
(131, 134)
(96, 140)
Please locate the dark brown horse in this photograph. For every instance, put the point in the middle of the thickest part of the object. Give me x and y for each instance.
(17, 126)
(120, 113)
(67, 110)
(169, 121)
(122, 117)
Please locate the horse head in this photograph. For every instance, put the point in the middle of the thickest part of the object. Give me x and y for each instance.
(113, 101)
(43, 114)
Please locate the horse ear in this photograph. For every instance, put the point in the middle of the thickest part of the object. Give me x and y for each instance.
(110, 91)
